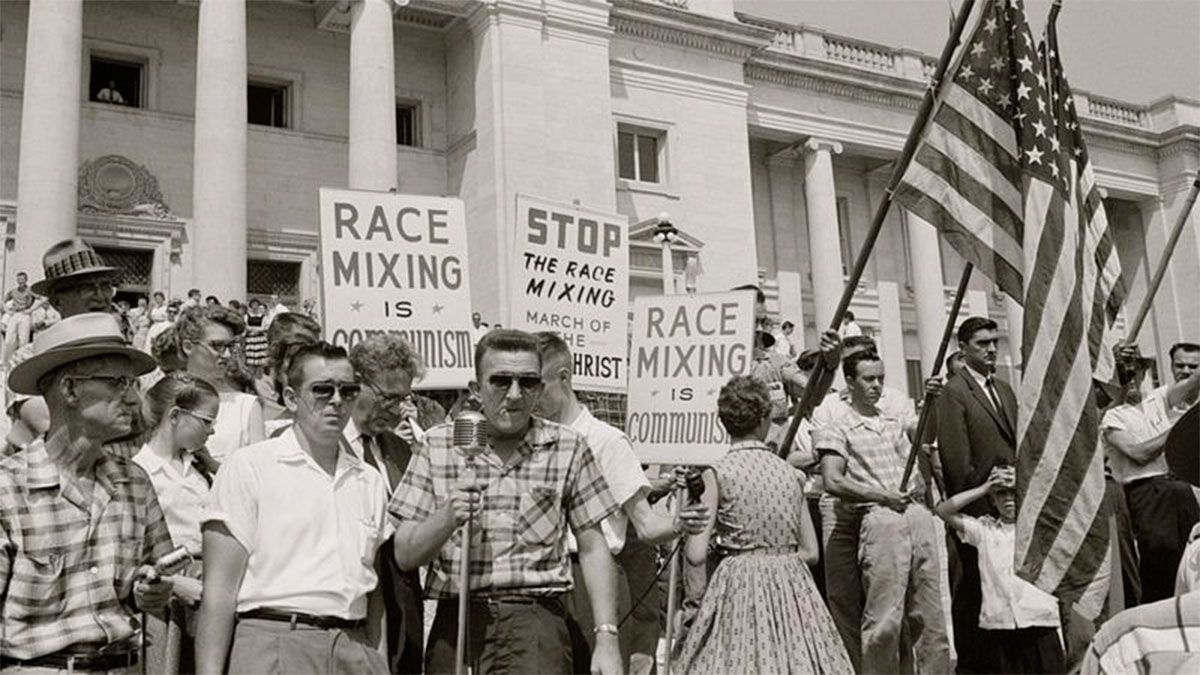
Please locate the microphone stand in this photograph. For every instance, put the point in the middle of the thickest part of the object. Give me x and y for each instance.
(464, 587)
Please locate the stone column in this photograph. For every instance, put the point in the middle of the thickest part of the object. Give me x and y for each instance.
(785, 230)
(49, 156)
(372, 96)
(219, 169)
(825, 252)
(929, 291)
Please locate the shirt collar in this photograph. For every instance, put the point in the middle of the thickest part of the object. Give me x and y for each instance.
(152, 462)
(979, 377)
(583, 420)
(288, 451)
(748, 445)
(40, 472)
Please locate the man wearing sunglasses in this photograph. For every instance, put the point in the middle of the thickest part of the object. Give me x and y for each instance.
(532, 480)
(290, 539)
(387, 366)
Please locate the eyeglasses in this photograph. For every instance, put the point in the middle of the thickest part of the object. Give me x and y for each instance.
(224, 346)
(123, 383)
(323, 392)
(386, 399)
(205, 420)
(527, 383)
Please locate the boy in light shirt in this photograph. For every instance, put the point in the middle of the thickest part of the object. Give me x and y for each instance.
(1020, 620)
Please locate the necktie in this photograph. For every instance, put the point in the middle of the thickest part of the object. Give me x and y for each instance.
(368, 451)
(991, 390)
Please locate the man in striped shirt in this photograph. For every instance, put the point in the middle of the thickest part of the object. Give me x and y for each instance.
(78, 526)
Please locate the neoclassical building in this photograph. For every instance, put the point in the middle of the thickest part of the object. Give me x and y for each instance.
(187, 139)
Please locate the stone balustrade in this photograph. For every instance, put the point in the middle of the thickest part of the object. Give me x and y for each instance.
(862, 54)
(1113, 111)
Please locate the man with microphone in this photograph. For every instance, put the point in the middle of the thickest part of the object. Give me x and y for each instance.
(530, 481)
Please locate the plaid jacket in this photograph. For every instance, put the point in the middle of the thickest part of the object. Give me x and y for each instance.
(519, 542)
(66, 544)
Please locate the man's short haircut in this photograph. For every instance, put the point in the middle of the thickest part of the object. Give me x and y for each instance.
(380, 353)
(759, 296)
(22, 274)
(506, 340)
(280, 358)
(973, 325)
(193, 291)
(293, 323)
(1188, 347)
(848, 315)
(857, 341)
(808, 359)
(850, 363)
(787, 324)
(160, 294)
(309, 352)
(742, 405)
(552, 348)
(213, 299)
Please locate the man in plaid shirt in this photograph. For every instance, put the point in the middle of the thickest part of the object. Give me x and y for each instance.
(863, 453)
(532, 480)
(78, 526)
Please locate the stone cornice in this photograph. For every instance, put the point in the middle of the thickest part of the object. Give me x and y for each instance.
(299, 244)
(807, 77)
(668, 25)
(581, 22)
(677, 82)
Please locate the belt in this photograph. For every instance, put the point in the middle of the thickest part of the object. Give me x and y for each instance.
(326, 622)
(552, 601)
(72, 661)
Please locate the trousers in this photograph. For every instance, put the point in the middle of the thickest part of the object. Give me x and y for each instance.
(902, 590)
(843, 582)
(261, 646)
(502, 637)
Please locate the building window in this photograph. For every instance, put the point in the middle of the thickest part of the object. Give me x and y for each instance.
(136, 267)
(267, 104)
(916, 379)
(843, 217)
(116, 81)
(408, 124)
(639, 154)
(265, 278)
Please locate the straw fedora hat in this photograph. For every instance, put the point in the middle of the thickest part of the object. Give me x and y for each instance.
(70, 259)
(73, 339)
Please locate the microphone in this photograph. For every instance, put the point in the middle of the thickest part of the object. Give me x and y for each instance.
(471, 430)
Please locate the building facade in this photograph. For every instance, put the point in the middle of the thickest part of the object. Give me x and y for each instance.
(767, 144)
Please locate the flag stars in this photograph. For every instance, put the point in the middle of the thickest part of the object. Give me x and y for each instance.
(965, 72)
(991, 25)
(1041, 80)
(1054, 144)
(977, 49)
(1039, 128)
(985, 86)
(1034, 155)
(1026, 64)
(997, 64)
(1023, 91)
(1054, 170)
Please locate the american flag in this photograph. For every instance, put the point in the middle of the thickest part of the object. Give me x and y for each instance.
(1003, 172)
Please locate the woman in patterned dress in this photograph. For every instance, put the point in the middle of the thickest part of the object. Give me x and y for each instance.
(761, 612)
(256, 337)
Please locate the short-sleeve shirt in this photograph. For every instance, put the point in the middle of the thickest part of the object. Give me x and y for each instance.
(875, 448)
(519, 542)
(1009, 602)
(620, 468)
(311, 537)
(182, 494)
(1142, 421)
(67, 543)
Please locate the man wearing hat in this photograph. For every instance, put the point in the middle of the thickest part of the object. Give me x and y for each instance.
(78, 526)
(77, 281)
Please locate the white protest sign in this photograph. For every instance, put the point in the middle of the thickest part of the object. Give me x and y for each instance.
(398, 264)
(571, 276)
(685, 348)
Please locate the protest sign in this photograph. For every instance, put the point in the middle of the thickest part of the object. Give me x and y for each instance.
(571, 276)
(685, 348)
(398, 264)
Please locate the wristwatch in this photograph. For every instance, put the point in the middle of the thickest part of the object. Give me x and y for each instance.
(606, 628)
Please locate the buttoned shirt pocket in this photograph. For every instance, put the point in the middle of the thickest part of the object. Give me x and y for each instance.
(369, 539)
(37, 588)
(541, 518)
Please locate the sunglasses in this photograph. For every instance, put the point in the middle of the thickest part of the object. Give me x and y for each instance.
(123, 383)
(205, 420)
(223, 346)
(323, 392)
(527, 383)
(385, 399)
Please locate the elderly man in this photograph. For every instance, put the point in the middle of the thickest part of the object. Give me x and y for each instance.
(78, 526)
(863, 454)
(387, 366)
(290, 540)
(532, 480)
(628, 485)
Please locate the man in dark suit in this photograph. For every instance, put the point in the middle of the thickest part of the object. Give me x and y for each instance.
(977, 429)
(386, 366)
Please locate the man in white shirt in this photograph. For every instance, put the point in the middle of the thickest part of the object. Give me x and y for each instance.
(783, 340)
(290, 540)
(626, 482)
(1162, 508)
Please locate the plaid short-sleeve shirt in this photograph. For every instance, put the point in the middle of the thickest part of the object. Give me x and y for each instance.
(66, 544)
(875, 448)
(518, 542)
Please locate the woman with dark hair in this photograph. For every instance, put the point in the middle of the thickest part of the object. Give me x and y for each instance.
(209, 340)
(256, 337)
(761, 611)
(180, 411)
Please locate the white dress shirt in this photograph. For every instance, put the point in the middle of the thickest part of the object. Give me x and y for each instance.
(620, 468)
(311, 537)
(1009, 602)
(182, 495)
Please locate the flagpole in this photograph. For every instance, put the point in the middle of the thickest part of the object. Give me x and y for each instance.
(923, 420)
(823, 372)
(1161, 270)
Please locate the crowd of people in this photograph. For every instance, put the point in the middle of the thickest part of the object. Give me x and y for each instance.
(191, 486)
